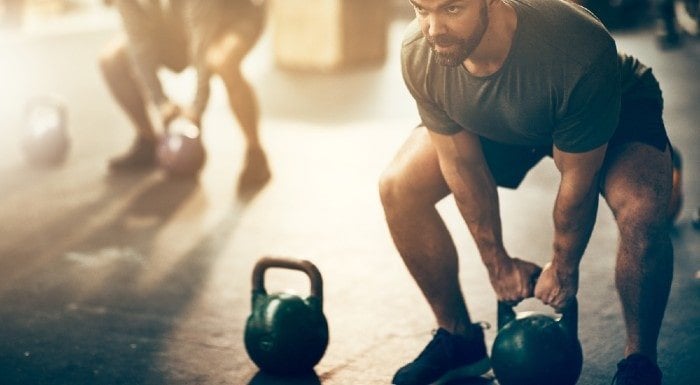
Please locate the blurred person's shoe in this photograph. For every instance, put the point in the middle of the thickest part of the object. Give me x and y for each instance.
(142, 154)
(256, 171)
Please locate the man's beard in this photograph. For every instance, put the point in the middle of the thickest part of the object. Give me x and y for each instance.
(464, 48)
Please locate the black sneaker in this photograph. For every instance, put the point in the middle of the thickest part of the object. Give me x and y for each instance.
(142, 154)
(446, 358)
(637, 370)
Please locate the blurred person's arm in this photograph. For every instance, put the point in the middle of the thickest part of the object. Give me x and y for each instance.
(202, 21)
(141, 34)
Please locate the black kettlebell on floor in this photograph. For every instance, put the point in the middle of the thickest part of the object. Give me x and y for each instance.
(286, 334)
(537, 349)
(44, 135)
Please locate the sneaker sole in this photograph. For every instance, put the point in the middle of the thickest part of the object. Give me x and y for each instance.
(474, 370)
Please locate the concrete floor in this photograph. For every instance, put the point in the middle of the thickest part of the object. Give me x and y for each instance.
(144, 280)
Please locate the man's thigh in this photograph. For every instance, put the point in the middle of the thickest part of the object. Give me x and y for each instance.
(418, 161)
(170, 41)
(637, 168)
(236, 31)
(415, 171)
(637, 182)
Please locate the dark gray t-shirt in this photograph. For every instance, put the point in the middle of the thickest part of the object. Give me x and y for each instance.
(561, 83)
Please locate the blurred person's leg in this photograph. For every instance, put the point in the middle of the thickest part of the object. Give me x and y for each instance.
(667, 33)
(225, 57)
(116, 67)
(121, 79)
(169, 44)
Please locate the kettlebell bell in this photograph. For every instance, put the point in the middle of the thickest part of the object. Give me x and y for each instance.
(286, 334)
(537, 349)
(44, 136)
(180, 151)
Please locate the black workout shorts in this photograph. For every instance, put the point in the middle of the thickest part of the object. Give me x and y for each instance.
(640, 121)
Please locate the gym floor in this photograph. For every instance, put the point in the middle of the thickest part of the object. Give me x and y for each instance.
(140, 279)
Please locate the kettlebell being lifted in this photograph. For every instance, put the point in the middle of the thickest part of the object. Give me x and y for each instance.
(537, 349)
(180, 151)
(286, 334)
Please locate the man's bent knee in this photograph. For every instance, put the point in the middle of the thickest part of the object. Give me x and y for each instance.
(114, 59)
(413, 179)
(389, 192)
(226, 55)
(398, 191)
(637, 186)
(641, 225)
(106, 62)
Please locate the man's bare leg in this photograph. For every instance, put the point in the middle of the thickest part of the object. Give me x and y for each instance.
(637, 188)
(410, 188)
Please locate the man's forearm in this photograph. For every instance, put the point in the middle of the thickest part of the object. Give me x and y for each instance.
(201, 96)
(573, 224)
(468, 176)
(147, 71)
(136, 19)
(477, 200)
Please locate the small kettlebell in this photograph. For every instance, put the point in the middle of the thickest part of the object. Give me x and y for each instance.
(537, 349)
(180, 151)
(44, 135)
(286, 334)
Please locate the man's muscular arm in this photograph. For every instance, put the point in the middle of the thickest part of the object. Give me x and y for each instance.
(574, 216)
(465, 170)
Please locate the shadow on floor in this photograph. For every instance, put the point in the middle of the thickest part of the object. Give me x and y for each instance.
(75, 315)
(262, 378)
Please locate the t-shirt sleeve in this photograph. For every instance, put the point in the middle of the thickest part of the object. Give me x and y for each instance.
(416, 75)
(592, 112)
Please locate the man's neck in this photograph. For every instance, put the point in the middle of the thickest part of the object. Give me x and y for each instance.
(492, 51)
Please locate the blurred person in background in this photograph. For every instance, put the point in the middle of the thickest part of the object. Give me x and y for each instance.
(614, 13)
(667, 34)
(11, 13)
(213, 37)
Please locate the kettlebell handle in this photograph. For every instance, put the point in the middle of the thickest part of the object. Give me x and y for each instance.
(569, 317)
(47, 100)
(288, 263)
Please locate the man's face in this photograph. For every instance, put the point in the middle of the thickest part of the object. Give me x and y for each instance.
(453, 28)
